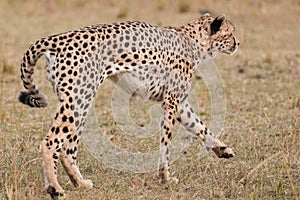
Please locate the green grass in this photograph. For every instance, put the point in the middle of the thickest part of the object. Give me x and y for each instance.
(262, 88)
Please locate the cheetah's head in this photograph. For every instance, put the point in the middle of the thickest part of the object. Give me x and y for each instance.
(221, 37)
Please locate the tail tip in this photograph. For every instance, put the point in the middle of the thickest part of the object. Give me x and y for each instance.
(27, 99)
(23, 97)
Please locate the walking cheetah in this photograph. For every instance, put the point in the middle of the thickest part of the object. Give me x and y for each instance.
(163, 59)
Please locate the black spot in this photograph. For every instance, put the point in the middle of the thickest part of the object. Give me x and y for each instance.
(124, 55)
(192, 125)
(64, 118)
(65, 129)
(75, 138)
(71, 119)
(55, 156)
(56, 141)
(69, 136)
(188, 114)
(136, 56)
(62, 109)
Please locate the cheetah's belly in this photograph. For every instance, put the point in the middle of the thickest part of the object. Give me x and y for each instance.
(150, 82)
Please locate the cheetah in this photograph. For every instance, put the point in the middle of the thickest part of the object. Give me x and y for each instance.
(162, 58)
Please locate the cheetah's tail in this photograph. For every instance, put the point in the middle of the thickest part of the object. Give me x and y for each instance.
(32, 97)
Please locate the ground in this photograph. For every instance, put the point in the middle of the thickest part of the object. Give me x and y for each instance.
(262, 87)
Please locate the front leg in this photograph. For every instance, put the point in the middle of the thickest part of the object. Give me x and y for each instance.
(191, 121)
(169, 107)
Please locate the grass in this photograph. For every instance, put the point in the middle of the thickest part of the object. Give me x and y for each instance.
(123, 13)
(262, 88)
(184, 6)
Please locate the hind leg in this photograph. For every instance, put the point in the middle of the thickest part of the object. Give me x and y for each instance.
(83, 94)
(62, 141)
(191, 121)
(69, 151)
(51, 148)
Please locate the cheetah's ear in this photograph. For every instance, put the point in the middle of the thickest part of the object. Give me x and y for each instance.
(216, 24)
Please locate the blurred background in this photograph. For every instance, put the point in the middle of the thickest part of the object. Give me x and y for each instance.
(262, 83)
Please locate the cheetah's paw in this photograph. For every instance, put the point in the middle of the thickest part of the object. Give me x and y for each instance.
(222, 151)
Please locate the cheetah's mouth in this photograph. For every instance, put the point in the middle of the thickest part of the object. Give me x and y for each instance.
(234, 48)
(231, 50)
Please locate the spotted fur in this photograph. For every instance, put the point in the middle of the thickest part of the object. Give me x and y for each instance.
(163, 59)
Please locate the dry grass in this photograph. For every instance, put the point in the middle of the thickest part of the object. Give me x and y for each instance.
(263, 110)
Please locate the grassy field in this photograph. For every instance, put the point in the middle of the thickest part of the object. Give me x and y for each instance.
(262, 83)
